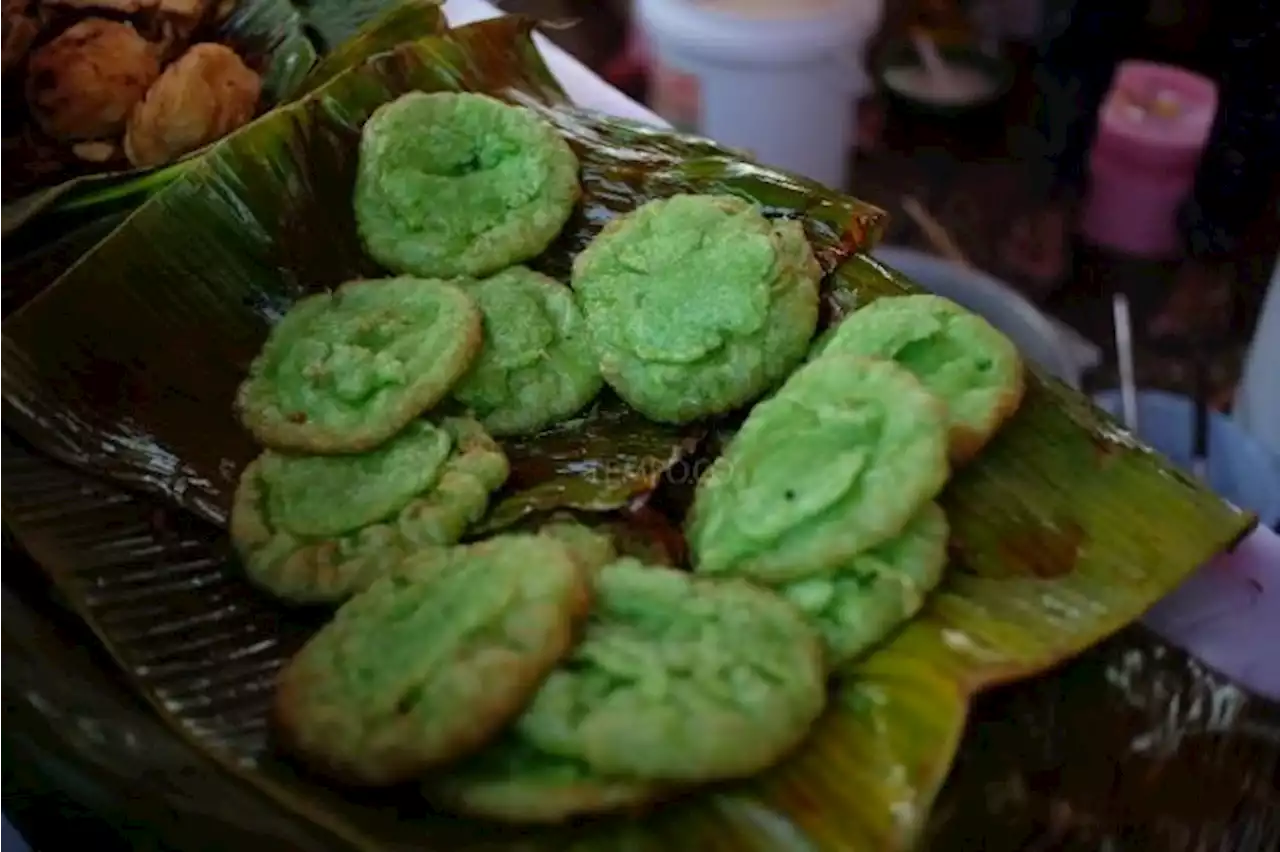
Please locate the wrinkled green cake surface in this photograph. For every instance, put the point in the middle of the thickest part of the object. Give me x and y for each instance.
(345, 371)
(835, 463)
(460, 184)
(536, 365)
(697, 304)
(429, 662)
(856, 606)
(680, 679)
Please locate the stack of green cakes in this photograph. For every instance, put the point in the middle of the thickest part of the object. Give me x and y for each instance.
(539, 675)
(378, 400)
(532, 677)
(826, 493)
(355, 478)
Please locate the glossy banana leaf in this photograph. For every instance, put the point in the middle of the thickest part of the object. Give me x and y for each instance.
(351, 33)
(1133, 747)
(285, 43)
(1064, 530)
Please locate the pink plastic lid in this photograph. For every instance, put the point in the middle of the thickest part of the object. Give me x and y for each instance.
(1157, 114)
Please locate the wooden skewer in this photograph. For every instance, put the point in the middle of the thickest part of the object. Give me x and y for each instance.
(933, 230)
(1124, 360)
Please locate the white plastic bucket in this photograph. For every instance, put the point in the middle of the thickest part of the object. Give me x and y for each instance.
(776, 77)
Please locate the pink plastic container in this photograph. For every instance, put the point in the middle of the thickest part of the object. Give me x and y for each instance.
(1152, 131)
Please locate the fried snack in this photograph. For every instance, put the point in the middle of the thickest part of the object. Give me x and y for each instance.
(200, 98)
(680, 679)
(697, 304)
(84, 83)
(317, 529)
(425, 667)
(21, 28)
(834, 464)
(511, 781)
(957, 355)
(185, 8)
(344, 371)
(168, 24)
(856, 606)
(536, 366)
(123, 7)
(460, 184)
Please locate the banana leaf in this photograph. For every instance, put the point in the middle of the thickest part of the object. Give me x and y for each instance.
(284, 43)
(1064, 530)
(350, 33)
(1132, 747)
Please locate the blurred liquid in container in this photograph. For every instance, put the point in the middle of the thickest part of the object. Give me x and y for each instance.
(1152, 130)
(779, 78)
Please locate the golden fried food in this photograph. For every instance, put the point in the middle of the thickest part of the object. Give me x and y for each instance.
(21, 26)
(202, 97)
(123, 7)
(187, 9)
(168, 24)
(84, 83)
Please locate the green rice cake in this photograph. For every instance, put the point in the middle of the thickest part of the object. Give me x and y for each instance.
(511, 781)
(856, 606)
(697, 304)
(592, 547)
(834, 464)
(315, 529)
(679, 679)
(957, 355)
(344, 371)
(426, 666)
(537, 366)
(460, 184)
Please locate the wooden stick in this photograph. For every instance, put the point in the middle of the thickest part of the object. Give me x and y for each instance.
(933, 230)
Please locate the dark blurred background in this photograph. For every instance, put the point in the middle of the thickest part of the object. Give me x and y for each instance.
(970, 176)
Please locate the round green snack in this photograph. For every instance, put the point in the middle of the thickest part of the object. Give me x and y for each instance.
(697, 304)
(858, 605)
(458, 184)
(511, 781)
(679, 679)
(316, 529)
(426, 666)
(537, 366)
(835, 463)
(592, 548)
(344, 371)
(957, 355)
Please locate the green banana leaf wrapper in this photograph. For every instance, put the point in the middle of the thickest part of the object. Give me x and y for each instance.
(124, 370)
(281, 41)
